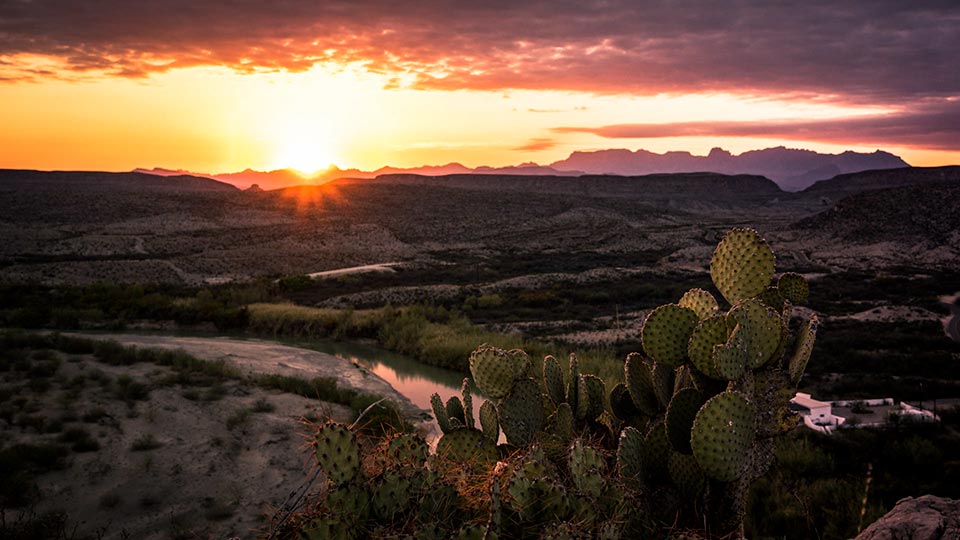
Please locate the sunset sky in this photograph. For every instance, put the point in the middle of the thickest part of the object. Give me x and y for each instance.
(224, 86)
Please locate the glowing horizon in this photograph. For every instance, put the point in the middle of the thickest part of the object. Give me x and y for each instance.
(310, 87)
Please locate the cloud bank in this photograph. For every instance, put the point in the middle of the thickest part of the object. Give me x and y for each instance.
(876, 51)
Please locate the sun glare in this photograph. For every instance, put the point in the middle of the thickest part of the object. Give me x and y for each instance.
(303, 147)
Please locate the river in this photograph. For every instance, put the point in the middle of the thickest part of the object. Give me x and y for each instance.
(415, 380)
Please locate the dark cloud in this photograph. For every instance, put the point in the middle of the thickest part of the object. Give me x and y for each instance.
(934, 125)
(867, 51)
(536, 144)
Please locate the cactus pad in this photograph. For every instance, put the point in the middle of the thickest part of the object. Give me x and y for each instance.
(687, 475)
(563, 422)
(630, 455)
(709, 333)
(553, 380)
(466, 446)
(723, 431)
(762, 330)
(701, 302)
(406, 451)
(337, 452)
(665, 333)
(771, 297)
(620, 403)
(467, 404)
(591, 397)
(455, 410)
(663, 383)
(573, 384)
(494, 370)
(440, 413)
(794, 287)
(730, 359)
(587, 468)
(656, 452)
(639, 381)
(521, 412)
(350, 501)
(804, 348)
(742, 265)
(682, 411)
(392, 496)
(489, 422)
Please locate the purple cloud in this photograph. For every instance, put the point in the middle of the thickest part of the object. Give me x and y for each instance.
(876, 51)
(934, 125)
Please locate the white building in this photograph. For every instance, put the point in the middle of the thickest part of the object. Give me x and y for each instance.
(817, 415)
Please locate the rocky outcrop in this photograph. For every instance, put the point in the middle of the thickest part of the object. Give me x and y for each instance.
(923, 518)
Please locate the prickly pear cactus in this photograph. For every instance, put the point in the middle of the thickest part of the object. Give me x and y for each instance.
(742, 265)
(337, 452)
(722, 434)
(674, 447)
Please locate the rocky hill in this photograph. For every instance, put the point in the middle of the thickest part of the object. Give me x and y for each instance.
(920, 213)
(843, 185)
(705, 187)
(87, 181)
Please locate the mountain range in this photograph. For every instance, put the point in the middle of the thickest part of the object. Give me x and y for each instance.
(791, 169)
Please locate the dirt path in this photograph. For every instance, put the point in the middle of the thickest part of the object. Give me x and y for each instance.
(257, 356)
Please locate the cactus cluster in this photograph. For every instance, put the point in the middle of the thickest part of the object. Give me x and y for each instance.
(673, 448)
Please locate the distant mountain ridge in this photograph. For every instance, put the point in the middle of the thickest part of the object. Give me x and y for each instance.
(791, 169)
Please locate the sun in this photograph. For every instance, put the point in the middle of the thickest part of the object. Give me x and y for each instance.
(306, 148)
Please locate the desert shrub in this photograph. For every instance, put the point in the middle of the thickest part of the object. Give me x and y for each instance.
(145, 442)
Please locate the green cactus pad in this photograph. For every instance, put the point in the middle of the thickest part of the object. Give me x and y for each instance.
(794, 287)
(687, 475)
(405, 451)
(621, 404)
(771, 297)
(679, 420)
(337, 452)
(639, 379)
(656, 452)
(494, 370)
(630, 455)
(553, 380)
(730, 358)
(440, 413)
(466, 446)
(742, 265)
(563, 422)
(455, 410)
(524, 361)
(762, 330)
(392, 496)
(489, 422)
(587, 468)
(709, 333)
(591, 397)
(722, 434)
(663, 382)
(804, 348)
(573, 382)
(521, 412)
(467, 403)
(350, 501)
(701, 302)
(666, 332)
